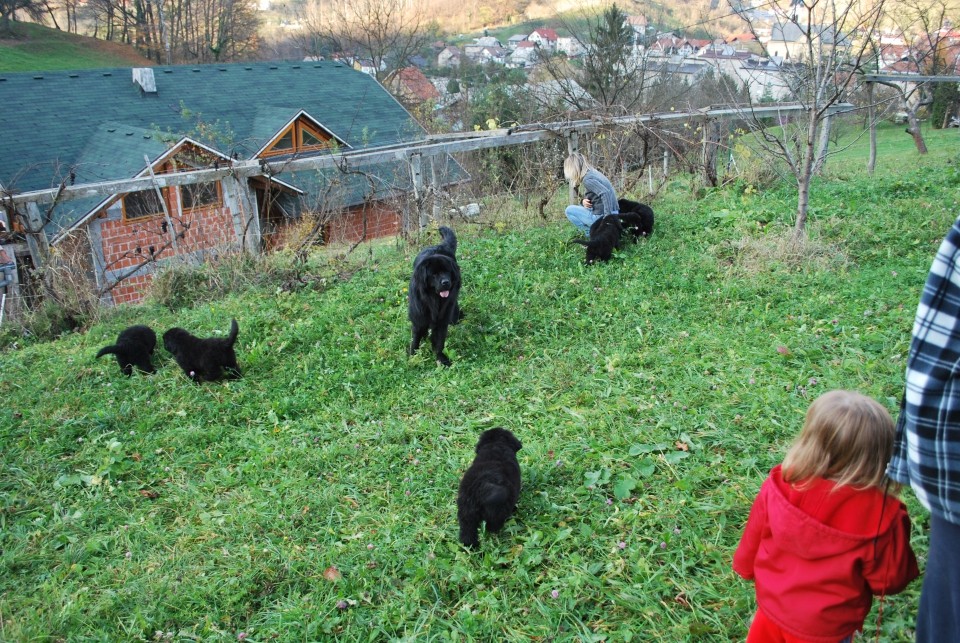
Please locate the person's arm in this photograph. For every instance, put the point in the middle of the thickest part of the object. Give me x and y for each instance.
(893, 565)
(597, 183)
(746, 553)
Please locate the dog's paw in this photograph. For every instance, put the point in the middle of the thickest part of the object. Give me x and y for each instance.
(443, 360)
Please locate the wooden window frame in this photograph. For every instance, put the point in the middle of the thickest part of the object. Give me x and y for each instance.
(164, 199)
(217, 202)
(297, 128)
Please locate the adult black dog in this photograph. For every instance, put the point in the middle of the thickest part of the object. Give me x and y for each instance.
(134, 347)
(490, 488)
(204, 359)
(605, 236)
(434, 290)
(636, 218)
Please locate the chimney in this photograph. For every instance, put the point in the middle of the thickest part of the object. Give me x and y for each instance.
(143, 76)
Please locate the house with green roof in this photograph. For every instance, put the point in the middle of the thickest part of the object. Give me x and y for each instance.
(94, 126)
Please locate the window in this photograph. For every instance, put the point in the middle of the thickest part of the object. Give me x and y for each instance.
(199, 195)
(300, 137)
(139, 205)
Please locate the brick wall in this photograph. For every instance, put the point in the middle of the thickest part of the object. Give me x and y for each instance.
(128, 244)
(382, 221)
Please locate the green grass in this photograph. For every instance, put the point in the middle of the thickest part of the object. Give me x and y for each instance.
(35, 47)
(651, 395)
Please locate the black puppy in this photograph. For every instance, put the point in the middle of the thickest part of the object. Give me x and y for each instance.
(636, 218)
(490, 488)
(206, 359)
(605, 236)
(434, 290)
(134, 347)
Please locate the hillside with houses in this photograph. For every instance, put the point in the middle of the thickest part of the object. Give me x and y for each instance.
(763, 60)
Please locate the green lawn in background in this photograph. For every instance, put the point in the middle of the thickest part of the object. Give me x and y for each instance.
(40, 48)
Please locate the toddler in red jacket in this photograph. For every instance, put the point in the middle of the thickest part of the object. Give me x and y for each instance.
(826, 532)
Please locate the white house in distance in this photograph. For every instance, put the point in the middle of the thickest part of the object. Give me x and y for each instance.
(570, 46)
(544, 37)
(525, 53)
(449, 57)
(639, 25)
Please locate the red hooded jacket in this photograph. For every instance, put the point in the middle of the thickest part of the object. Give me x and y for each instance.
(817, 558)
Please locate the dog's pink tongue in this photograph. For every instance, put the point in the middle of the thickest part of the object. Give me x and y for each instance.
(444, 293)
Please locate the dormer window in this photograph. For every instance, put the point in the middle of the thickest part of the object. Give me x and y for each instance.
(300, 136)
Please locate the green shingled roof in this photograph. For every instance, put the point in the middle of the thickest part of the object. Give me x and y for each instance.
(99, 123)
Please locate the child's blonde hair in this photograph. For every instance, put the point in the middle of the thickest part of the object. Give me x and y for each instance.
(575, 167)
(846, 438)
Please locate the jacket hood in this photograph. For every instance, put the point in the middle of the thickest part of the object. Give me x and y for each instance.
(824, 519)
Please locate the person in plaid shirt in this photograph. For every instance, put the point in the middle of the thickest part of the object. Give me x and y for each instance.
(927, 446)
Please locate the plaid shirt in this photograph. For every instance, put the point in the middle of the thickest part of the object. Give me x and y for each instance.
(926, 451)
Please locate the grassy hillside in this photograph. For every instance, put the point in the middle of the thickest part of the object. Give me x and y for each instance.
(314, 497)
(36, 48)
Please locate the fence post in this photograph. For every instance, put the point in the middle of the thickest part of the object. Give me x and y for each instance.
(36, 237)
(416, 174)
(434, 189)
(573, 145)
(243, 206)
(872, 161)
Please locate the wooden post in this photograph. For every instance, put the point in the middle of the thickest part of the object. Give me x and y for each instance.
(36, 237)
(434, 189)
(416, 175)
(242, 202)
(872, 160)
(666, 163)
(573, 145)
(166, 211)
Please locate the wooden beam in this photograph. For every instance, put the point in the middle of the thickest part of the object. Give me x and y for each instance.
(434, 146)
(911, 78)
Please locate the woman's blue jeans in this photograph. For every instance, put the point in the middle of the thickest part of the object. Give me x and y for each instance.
(581, 217)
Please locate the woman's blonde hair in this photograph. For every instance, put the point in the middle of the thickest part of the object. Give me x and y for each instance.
(575, 167)
(846, 438)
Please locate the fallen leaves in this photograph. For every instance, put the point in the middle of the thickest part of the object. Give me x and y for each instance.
(332, 574)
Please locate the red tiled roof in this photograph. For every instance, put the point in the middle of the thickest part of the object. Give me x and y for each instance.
(546, 33)
(412, 80)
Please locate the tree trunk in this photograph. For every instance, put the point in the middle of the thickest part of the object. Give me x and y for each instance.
(823, 146)
(805, 175)
(913, 129)
(871, 118)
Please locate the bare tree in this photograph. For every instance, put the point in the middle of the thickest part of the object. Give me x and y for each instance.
(386, 32)
(819, 46)
(35, 9)
(924, 26)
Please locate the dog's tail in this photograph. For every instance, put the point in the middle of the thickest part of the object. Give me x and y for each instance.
(106, 350)
(234, 330)
(449, 240)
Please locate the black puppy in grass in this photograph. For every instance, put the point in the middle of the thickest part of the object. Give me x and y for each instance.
(490, 488)
(134, 347)
(636, 218)
(204, 359)
(605, 236)
(433, 293)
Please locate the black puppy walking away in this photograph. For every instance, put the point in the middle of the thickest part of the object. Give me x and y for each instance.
(605, 236)
(490, 488)
(134, 347)
(204, 359)
(433, 293)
